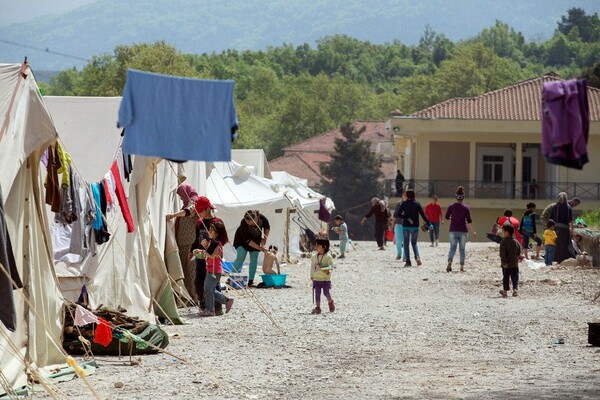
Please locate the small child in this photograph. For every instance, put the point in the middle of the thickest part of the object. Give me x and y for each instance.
(342, 230)
(213, 249)
(510, 250)
(549, 242)
(528, 230)
(321, 264)
(580, 255)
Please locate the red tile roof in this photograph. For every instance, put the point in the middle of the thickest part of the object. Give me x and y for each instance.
(302, 165)
(303, 159)
(324, 143)
(519, 102)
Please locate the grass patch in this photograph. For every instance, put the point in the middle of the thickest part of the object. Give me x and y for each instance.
(592, 218)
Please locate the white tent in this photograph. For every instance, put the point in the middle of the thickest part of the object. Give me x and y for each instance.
(129, 270)
(306, 206)
(26, 129)
(233, 189)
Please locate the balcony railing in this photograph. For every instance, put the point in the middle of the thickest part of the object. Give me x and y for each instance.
(501, 190)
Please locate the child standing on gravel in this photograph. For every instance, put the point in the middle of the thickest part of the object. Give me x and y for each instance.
(549, 242)
(321, 264)
(342, 230)
(510, 250)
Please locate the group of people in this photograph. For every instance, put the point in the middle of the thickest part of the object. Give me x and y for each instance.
(201, 236)
(406, 222)
(558, 222)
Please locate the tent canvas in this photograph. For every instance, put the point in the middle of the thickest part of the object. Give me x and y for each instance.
(26, 129)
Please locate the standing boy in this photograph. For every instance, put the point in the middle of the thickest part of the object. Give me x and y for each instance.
(510, 250)
(342, 230)
(528, 230)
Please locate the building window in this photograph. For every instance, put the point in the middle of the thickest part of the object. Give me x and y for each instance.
(492, 169)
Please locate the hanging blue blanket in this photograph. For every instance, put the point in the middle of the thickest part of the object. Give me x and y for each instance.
(177, 118)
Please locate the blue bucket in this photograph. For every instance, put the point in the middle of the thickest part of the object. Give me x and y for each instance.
(274, 280)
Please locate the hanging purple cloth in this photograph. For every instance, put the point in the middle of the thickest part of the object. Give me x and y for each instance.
(565, 122)
(324, 214)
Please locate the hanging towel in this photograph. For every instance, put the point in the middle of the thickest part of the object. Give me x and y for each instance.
(565, 122)
(121, 196)
(177, 118)
(8, 274)
(84, 316)
(103, 334)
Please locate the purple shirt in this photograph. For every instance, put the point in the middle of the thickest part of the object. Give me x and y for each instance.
(459, 215)
(565, 122)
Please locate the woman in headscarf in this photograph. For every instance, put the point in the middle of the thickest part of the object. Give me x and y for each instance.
(185, 232)
(562, 214)
(379, 209)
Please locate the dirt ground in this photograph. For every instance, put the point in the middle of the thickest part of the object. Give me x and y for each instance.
(397, 333)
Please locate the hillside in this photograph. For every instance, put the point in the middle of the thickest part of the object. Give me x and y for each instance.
(199, 26)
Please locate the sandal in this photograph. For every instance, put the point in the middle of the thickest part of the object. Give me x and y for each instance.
(316, 310)
(331, 306)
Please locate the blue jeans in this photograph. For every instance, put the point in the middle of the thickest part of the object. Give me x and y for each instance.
(460, 239)
(549, 254)
(343, 243)
(210, 293)
(239, 261)
(434, 234)
(399, 235)
(410, 238)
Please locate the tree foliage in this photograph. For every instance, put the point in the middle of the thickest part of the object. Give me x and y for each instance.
(352, 176)
(287, 94)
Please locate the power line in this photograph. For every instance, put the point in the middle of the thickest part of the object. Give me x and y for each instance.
(46, 50)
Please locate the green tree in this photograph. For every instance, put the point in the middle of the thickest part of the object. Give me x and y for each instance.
(587, 25)
(349, 182)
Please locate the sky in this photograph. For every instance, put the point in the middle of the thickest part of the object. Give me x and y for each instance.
(12, 11)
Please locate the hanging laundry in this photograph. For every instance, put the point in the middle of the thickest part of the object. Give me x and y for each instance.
(52, 185)
(103, 334)
(127, 164)
(8, 274)
(177, 118)
(324, 214)
(565, 122)
(121, 196)
(100, 228)
(84, 316)
(109, 191)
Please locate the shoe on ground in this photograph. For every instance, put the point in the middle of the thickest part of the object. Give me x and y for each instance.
(503, 293)
(398, 257)
(228, 305)
(407, 264)
(250, 282)
(462, 267)
(207, 313)
(219, 311)
(316, 310)
(449, 266)
(431, 245)
(382, 248)
(419, 263)
(515, 293)
(331, 306)
(437, 243)
(342, 256)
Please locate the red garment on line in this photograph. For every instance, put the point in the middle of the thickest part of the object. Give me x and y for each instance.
(121, 196)
(103, 334)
